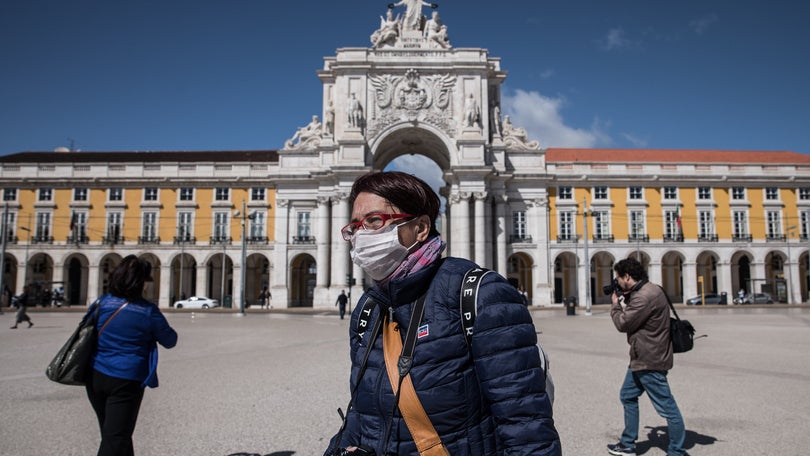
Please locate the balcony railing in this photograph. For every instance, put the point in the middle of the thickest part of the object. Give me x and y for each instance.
(257, 240)
(79, 239)
(112, 240)
(603, 238)
(184, 240)
(673, 238)
(42, 240)
(148, 239)
(639, 238)
(708, 238)
(303, 239)
(776, 238)
(519, 238)
(11, 239)
(568, 238)
(220, 240)
(742, 238)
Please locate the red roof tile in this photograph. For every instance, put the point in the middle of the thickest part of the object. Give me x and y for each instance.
(559, 155)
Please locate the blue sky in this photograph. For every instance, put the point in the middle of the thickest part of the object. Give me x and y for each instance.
(241, 74)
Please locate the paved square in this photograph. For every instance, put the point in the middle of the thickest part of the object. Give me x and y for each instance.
(270, 384)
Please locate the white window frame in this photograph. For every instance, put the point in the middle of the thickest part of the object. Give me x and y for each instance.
(151, 194)
(222, 194)
(738, 193)
(637, 223)
(705, 224)
(670, 193)
(42, 226)
(186, 194)
(771, 194)
(773, 224)
(601, 224)
(220, 230)
(565, 192)
(704, 193)
(9, 194)
(567, 225)
(258, 194)
(601, 193)
(45, 194)
(149, 228)
(185, 226)
(739, 224)
(303, 225)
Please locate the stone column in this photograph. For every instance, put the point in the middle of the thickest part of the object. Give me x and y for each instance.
(280, 276)
(92, 283)
(202, 281)
(340, 248)
(322, 237)
(165, 296)
(480, 229)
(723, 275)
(541, 282)
(500, 235)
(690, 287)
(461, 225)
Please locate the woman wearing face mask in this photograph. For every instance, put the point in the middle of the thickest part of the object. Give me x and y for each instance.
(488, 398)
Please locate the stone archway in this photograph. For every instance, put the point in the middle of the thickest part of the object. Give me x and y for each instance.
(741, 273)
(706, 272)
(183, 277)
(775, 283)
(519, 273)
(565, 277)
(76, 279)
(303, 271)
(672, 275)
(601, 275)
(151, 290)
(105, 268)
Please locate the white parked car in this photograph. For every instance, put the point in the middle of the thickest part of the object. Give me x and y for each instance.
(196, 302)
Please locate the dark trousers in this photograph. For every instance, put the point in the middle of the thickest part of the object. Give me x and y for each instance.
(116, 403)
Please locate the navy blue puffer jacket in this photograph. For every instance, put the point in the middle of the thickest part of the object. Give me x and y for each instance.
(485, 400)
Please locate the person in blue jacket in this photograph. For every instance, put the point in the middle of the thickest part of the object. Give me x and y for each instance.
(488, 398)
(125, 362)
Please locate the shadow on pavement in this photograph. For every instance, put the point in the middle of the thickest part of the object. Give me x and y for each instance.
(657, 437)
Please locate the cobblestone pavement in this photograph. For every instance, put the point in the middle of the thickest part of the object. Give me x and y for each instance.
(270, 384)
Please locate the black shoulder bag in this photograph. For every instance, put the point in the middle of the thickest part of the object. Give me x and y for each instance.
(681, 332)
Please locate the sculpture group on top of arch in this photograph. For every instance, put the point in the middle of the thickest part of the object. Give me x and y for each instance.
(413, 29)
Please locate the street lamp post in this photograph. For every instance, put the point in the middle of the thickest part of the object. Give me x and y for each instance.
(182, 260)
(243, 268)
(790, 272)
(27, 245)
(587, 260)
(3, 231)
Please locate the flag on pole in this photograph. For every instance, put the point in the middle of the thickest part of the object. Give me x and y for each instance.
(72, 221)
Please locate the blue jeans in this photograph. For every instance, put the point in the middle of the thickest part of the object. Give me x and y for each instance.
(657, 388)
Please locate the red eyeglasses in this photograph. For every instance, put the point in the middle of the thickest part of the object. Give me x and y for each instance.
(370, 222)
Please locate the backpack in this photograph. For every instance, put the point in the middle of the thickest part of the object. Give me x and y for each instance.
(469, 309)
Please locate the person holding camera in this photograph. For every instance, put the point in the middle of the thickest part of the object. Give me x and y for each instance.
(641, 310)
(488, 398)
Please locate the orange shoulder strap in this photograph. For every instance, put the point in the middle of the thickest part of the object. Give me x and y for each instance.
(424, 434)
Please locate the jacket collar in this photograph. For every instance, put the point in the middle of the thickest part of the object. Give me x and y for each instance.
(402, 291)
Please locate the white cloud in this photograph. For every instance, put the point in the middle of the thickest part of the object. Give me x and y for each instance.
(541, 117)
(701, 24)
(421, 167)
(615, 39)
(635, 140)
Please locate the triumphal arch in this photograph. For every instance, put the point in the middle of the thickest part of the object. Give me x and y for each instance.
(411, 92)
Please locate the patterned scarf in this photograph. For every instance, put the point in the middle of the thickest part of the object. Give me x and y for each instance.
(418, 260)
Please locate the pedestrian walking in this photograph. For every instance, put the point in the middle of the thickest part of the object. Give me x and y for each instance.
(21, 301)
(342, 299)
(126, 356)
(263, 297)
(642, 312)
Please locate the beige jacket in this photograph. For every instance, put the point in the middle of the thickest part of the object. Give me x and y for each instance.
(645, 319)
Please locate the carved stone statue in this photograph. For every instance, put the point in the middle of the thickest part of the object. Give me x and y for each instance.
(436, 32)
(388, 31)
(305, 134)
(472, 112)
(517, 137)
(496, 120)
(355, 112)
(413, 12)
(329, 119)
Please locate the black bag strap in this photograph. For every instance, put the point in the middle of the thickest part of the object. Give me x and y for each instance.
(671, 307)
(469, 299)
(365, 316)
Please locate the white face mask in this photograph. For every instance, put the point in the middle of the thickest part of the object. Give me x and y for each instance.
(378, 252)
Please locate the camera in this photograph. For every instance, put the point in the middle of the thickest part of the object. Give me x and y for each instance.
(614, 287)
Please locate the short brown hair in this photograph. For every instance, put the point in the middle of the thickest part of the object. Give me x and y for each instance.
(127, 279)
(405, 191)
